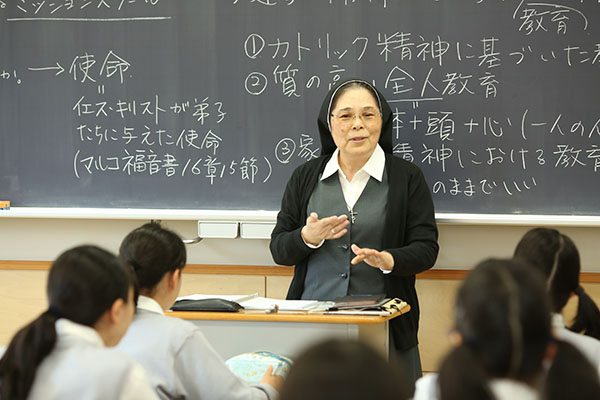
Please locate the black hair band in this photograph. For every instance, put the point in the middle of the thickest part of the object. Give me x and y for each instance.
(469, 340)
(52, 309)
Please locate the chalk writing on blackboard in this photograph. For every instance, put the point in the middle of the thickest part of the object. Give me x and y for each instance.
(205, 97)
(69, 10)
(542, 16)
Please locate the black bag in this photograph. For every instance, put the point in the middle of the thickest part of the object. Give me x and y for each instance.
(220, 305)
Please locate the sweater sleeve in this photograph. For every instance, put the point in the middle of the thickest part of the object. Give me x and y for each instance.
(287, 246)
(204, 374)
(420, 247)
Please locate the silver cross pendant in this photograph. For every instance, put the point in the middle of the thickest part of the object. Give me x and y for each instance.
(353, 215)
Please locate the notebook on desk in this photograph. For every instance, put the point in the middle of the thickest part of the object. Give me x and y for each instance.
(358, 301)
(385, 307)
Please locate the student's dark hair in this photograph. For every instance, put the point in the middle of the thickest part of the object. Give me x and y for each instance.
(571, 376)
(153, 251)
(503, 317)
(83, 283)
(556, 257)
(344, 369)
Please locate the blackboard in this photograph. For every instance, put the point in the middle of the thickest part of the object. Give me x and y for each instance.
(211, 104)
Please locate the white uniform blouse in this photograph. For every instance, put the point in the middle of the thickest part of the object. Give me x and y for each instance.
(589, 346)
(80, 367)
(502, 389)
(179, 359)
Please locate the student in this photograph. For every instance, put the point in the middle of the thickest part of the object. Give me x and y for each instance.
(62, 354)
(556, 257)
(344, 369)
(179, 360)
(504, 343)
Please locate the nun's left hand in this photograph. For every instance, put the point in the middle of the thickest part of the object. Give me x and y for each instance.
(376, 259)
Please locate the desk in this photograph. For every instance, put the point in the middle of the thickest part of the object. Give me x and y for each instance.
(286, 333)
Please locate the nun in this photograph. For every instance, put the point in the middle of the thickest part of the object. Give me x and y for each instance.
(358, 220)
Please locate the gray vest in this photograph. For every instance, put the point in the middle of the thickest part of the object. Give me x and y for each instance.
(329, 272)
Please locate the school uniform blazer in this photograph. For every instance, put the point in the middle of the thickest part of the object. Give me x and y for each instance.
(80, 367)
(587, 345)
(178, 358)
(409, 235)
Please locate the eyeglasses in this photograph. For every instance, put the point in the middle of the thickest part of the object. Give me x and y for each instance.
(347, 118)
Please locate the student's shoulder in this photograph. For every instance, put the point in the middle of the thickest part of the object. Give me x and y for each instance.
(120, 363)
(161, 326)
(584, 343)
(173, 323)
(179, 334)
(426, 388)
(184, 331)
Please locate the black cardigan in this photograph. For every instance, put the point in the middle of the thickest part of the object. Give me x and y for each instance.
(409, 235)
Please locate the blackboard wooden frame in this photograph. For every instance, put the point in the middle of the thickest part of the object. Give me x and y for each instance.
(269, 217)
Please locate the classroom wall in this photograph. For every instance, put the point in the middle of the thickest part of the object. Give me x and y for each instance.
(462, 246)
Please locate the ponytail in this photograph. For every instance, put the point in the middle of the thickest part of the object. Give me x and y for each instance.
(26, 351)
(462, 376)
(587, 319)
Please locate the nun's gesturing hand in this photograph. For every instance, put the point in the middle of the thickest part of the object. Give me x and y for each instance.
(318, 230)
(377, 259)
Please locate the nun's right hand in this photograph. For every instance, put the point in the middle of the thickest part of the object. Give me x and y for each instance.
(317, 230)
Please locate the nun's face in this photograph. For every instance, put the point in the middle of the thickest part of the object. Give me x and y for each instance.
(356, 124)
